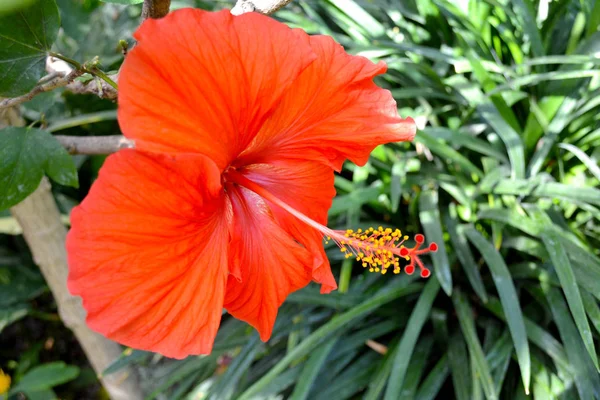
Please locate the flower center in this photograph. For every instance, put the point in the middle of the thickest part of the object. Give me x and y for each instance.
(378, 249)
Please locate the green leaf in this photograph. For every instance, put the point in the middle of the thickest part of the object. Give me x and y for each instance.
(26, 36)
(321, 334)
(459, 367)
(509, 298)
(592, 309)
(479, 365)
(511, 139)
(433, 382)
(447, 152)
(464, 254)
(311, 369)
(11, 6)
(586, 376)
(46, 376)
(429, 215)
(562, 265)
(416, 368)
(536, 334)
(25, 155)
(8, 315)
(19, 284)
(409, 339)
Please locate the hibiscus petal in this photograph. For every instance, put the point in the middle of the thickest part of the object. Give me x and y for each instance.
(148, 252)
(269, 263)
(205, 82)
(306, 186)
(332, 112)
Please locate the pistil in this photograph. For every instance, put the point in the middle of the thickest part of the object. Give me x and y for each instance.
(377, 249)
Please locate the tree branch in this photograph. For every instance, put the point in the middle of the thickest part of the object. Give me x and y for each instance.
(261, 6)
(94, 144)
(155, 8)
(53, 83)
(45, 234)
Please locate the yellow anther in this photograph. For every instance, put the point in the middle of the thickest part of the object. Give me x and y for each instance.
(342, 249)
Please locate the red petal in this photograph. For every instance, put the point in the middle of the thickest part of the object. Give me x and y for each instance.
(204, 82)
(333, 111)
(148, 252)
(306, 186)
(270, 264)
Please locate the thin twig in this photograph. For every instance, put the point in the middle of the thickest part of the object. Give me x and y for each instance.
(52, 84)
(155, 8)
(94, 144)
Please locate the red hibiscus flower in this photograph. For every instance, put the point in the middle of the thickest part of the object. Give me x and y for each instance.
(239, 124)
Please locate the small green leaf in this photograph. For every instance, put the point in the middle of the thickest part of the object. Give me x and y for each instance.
(26, 36)
(25, 155)
(46, 376)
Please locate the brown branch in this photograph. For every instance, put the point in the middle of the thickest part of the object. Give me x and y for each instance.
(155, 8)
(53, 83)
(45, 234)
(261, 6)
(94, 144)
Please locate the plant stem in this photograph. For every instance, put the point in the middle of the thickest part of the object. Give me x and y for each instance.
(100, 74)
(74, 63)
(82, 67)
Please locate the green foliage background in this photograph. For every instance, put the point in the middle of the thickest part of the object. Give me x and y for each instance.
(503, 175)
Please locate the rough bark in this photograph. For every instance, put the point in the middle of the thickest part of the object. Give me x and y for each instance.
(94, 144)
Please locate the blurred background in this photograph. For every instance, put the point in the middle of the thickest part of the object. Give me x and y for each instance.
(503, 175)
